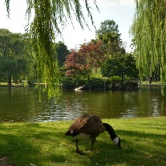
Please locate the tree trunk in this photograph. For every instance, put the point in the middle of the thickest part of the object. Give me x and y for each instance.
(150, 80)
(122, 81)
(10, 81)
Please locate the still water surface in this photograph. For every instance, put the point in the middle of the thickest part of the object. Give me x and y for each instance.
(23, 105)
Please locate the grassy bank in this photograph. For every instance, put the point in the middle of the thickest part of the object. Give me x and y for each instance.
(44, 144)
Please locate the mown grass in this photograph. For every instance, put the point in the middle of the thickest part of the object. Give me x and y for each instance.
(44, 144)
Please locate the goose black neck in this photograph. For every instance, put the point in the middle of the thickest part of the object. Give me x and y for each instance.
(110, 130)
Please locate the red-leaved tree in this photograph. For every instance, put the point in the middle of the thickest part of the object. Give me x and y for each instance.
(81, 62)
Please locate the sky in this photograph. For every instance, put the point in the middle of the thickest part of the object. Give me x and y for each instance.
(121, 11)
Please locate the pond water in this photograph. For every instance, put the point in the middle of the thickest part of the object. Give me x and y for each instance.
(23, 104)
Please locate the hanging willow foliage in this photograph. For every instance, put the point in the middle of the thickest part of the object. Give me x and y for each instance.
(149, 33)
(50, 16)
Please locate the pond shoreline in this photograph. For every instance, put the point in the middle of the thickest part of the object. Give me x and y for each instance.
(22, 85)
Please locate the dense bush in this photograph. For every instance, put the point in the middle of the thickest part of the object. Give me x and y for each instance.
(72, 82)
(113, 83)
(95, 83)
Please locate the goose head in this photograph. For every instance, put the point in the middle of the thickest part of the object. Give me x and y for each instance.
(117, 142)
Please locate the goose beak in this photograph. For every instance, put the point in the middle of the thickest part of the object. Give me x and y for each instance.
(117, 141)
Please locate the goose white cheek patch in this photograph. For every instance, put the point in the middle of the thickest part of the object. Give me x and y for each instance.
(116, 140)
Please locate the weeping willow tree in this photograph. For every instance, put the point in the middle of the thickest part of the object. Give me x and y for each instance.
(149, 36)
(50, 16)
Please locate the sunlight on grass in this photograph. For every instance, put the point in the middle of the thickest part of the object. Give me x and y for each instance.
(42, 144)
(97, 73)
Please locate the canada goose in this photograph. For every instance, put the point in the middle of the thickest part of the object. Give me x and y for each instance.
(89, 127)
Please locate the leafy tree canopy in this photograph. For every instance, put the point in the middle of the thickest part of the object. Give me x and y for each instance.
(88, 57)
(62, 52)
(123, 66)
(149, 36)
(109, 34)
(12, 55)
(50, 16)
(108, 26)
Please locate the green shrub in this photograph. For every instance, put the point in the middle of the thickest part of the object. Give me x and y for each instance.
(72, 82)
(95, 83)
(116, 79)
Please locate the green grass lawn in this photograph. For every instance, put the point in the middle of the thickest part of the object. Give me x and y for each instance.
(44, 144)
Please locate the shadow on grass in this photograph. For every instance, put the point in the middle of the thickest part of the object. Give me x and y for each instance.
(18, 149)
(138, 148)
(30, 144)
(42, 145)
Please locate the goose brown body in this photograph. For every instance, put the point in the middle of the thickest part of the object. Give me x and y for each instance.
(89, 127)
(87, 124)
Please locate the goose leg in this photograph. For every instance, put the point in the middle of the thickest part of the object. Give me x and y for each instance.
(77, 149)
(93, 141)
